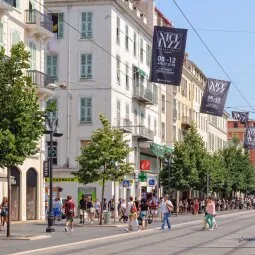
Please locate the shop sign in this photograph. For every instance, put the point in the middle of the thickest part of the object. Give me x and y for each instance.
(142, 177)
(67, 179)
(151, 182)
(145, 165)
(126, 183)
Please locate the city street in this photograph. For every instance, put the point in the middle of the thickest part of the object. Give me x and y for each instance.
(234, 235)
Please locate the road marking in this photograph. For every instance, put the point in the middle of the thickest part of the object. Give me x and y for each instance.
(120, 235)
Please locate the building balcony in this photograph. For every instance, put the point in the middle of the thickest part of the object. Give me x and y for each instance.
(143, 134)
(6, 5)
(186, 122)
(38, 24)
(124, 124)
(144, 95)
(41, 80)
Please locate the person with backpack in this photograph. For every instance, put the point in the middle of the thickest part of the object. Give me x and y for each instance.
(69, 209)
(132, 215)
(167, 208)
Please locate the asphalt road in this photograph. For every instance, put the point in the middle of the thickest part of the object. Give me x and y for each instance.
(235, 235)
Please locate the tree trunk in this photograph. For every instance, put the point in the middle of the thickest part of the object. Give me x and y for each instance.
(102, 202)
(8, 233)
(177, 202)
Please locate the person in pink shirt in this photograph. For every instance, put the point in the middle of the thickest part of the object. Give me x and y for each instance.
(210, 209)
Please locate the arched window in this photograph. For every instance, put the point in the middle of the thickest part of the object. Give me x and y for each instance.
(31, 194)
(32, 51)
(15, 194)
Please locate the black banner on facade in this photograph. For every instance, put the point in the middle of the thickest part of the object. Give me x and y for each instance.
(214, 98)
(168, 55)
(243, 117)
(249, 141)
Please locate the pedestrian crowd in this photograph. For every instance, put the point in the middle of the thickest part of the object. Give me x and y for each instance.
(138, 213)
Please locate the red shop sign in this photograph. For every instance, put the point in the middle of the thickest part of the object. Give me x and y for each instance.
(145, 165)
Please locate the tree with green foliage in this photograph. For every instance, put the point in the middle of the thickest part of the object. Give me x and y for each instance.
(98, 158)
(189, 163)
(21, 120)
(237, 168)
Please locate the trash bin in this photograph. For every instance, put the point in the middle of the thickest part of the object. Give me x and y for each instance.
(107, 217)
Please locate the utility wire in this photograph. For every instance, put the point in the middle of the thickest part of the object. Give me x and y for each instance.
(213, 56)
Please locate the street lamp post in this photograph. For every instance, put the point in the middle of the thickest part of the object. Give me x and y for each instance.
(53, 131)
(167, 164)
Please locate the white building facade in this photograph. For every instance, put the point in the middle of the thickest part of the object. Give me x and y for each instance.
(23, 20)
(103, 59)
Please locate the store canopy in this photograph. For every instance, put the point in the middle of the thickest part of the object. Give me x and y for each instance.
(160, 150)
(142, 73)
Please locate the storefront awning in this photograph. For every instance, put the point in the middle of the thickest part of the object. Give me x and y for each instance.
(160, 150)
(142, 73)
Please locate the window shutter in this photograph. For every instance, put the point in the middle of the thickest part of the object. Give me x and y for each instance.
(48, 65)
(54, 67)
(61, 25)
(86, 110)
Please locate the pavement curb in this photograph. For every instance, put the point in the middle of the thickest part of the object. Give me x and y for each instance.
(25, 238)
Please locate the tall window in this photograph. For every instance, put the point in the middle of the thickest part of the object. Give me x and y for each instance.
(141, 50)
(52, 115)
(1, 34)
(86, 110)
(52, 66)
(86, 66)
(149, 122)
(118, 109)
(118, 68)
(127, 76)
(127, 112)
(32, 51)
(135, 44)
(58, 24)
(155, 127)
(163, 97)
(163, 127)
(118, 31)
(148, 54)
(15, 37)
(142, 118)
(126, 38)
(86, 25)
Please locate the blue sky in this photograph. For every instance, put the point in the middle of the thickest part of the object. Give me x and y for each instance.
(235, 51)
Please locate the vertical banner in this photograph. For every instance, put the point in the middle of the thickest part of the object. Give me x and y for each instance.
(214, 98)
(249, 141)
(168, 51)
(243, 117)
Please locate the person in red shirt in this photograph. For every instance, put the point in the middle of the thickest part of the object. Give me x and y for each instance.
(69, 208)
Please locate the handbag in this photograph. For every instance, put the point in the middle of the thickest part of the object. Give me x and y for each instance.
(63, 216)
(149, 219)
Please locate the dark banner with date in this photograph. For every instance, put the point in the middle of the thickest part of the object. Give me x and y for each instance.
(241, 116)
(168, 51)
(215, 96)
(249, 141)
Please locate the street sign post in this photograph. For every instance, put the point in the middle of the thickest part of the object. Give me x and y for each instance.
(126, 183)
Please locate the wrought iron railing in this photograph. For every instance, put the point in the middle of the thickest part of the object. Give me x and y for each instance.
(35, 17)
(40, 79)
(124, 124)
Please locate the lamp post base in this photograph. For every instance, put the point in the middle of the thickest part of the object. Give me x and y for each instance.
(50, 229)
